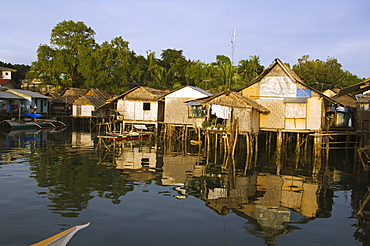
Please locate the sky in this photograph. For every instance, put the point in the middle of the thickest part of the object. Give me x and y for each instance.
(202, 29)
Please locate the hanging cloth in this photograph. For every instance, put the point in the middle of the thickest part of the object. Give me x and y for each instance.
(222, 112)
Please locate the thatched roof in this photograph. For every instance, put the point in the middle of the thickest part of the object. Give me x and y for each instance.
(230, 99)
(142, 93)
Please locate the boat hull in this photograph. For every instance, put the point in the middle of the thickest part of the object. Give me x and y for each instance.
(10, 125)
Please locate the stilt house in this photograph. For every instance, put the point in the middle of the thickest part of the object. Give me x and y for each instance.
(35, 102)
(293, 105)
(10, 104)
(177, 112)
(140, 105)
(225, 108)
(62, 105)
(346, 115)
(86, 106)
(361, 92)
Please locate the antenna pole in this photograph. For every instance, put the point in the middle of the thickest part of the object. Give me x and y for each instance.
(233, 38)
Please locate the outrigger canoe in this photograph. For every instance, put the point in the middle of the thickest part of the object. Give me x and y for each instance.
(62, 238)
(12, 125)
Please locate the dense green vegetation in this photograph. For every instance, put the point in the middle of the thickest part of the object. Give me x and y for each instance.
(73, 58)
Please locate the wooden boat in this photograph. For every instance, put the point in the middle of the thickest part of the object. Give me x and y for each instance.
(62, 238)
(11, 125)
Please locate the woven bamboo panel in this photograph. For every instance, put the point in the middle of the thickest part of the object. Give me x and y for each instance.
(245, 118)
(314, 113)
(276, 117)
(176, 112)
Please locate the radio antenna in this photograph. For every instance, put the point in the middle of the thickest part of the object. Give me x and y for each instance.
(233, 39)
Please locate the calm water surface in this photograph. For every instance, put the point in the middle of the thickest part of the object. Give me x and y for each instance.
(142, 195)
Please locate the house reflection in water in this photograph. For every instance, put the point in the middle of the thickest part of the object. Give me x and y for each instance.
(271, 204)
(82, 139)
(138, 161)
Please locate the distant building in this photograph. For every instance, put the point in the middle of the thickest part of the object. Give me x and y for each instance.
(6, 78)
(34, 101)
(37, 85)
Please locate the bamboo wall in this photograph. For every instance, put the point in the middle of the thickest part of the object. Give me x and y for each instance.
(176, 112)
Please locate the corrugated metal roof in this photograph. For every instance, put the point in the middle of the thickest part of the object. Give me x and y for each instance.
(295, 100)
(95, 101)
(28, 93)
(7, 95)
(200, 90)
(7, 69)
(76, 91)
(98, 93)
(190, 86)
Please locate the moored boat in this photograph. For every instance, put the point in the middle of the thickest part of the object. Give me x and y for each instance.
(11, 125)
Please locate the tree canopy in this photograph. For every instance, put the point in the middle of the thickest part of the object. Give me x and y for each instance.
(73, 58)
(324, 74)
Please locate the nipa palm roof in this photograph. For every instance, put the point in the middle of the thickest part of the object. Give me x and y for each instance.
(142, 93)
(234, 100)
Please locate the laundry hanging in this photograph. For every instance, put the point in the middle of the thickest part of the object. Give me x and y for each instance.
(222, 112)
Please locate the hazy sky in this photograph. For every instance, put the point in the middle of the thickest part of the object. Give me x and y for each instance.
(284, 29)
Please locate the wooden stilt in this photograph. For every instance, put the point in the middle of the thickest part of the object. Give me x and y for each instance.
(255, 151)
(317, 154)
(278, 152)
(248, 153)
(297, 151)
